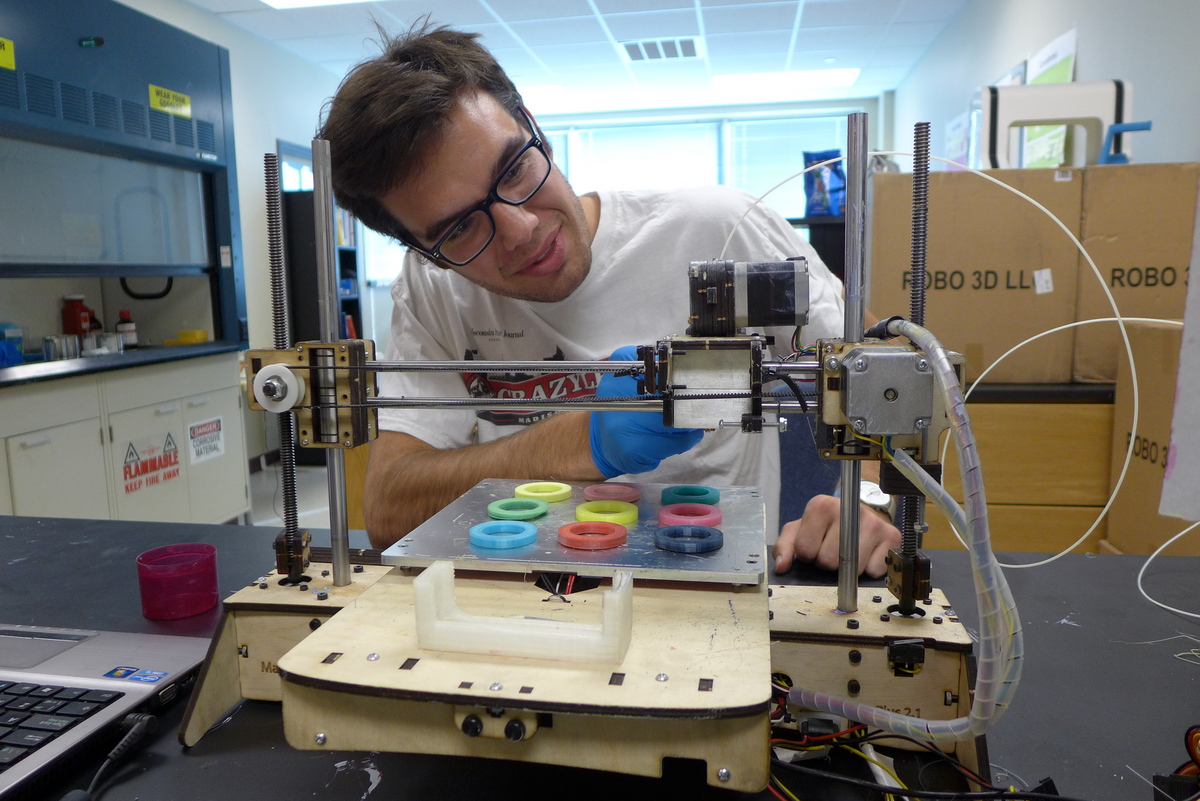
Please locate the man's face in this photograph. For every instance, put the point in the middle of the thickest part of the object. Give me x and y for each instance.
(542, 248)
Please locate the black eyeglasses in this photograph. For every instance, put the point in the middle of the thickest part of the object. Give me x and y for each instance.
(470, 234)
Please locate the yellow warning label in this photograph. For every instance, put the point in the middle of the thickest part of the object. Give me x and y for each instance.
(172, 102)
(8, 57)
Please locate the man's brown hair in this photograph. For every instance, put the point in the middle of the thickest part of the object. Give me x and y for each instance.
(390, 110)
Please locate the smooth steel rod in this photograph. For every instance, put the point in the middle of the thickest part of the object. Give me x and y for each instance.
(810, 366)
(856, 207)
(782, 404)
(330, 318)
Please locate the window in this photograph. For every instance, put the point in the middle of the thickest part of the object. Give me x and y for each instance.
(750, 154)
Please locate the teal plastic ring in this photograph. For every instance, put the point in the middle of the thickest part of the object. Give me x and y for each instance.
(517, 508)
(690, 493)
(502, 534)
(689, 539)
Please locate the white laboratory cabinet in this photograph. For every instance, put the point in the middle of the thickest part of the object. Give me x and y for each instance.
(160, 442)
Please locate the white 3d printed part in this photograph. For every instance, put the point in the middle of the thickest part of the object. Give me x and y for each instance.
(442, 626)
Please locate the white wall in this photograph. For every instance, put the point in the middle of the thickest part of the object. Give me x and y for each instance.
(1151, 45)
(276, 95)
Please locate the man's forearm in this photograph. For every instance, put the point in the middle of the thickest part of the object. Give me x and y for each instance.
(412, 487)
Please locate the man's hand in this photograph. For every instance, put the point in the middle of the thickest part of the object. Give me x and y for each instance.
(814, 538)
(633, 442)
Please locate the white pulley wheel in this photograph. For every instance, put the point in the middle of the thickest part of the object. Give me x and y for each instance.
(286, 386)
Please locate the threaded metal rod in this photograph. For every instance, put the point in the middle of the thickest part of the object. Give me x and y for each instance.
(279, 323)
(920, 221)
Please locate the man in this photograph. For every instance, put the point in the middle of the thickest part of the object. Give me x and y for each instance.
(432, 145)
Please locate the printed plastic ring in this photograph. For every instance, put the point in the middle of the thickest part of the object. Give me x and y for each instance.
(690, 493)
(628, 493)
(517, 508)
(501, 534)
(688, 514)
(548, 491)
(593, 535)
(689, 539)
(619, 512)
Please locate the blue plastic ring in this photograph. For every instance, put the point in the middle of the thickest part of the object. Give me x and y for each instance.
(689, 539)
(690, 493)
(502, 534)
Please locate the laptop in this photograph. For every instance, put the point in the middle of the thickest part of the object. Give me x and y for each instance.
(61, 687)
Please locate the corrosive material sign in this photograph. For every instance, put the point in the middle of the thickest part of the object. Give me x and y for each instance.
(207, 439)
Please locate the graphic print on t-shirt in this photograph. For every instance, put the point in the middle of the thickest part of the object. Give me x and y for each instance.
(526, 385)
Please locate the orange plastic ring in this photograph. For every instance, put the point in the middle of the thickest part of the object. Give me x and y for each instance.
(629, 493)
(689, 514)
(592, 535)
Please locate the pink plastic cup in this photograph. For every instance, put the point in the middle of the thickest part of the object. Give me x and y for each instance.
(178, 580)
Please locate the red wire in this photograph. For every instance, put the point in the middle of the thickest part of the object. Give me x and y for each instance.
(776, 793)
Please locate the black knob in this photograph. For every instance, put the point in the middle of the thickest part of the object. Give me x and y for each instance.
(515, 731)
(472, 726)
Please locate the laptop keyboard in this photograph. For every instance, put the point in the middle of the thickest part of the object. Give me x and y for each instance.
(32, 715)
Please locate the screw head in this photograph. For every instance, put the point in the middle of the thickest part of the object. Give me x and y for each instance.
(314, 624)
(885, 617)
(832, 363)
(661, 677)
(372, 657)
(853, 686)
(358, 568)
(496, 687)
(921, 423)
(859, 424)
(723, 774)
(262, 585)
(851, 623)
(303, 442)
(347, 443)
(922, 366)
(937, 619)
(303, 588)
(783, 425)
(322, 595)
(324, 572)
(876, 598)
(855, 656)
(320, 738)
(860, 365)
(472, 726)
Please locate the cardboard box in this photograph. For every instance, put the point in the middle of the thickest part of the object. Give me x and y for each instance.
(998, 270)
(1138, 224)
(1134, 524)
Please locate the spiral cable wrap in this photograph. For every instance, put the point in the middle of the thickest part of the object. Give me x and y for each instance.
(279, 322)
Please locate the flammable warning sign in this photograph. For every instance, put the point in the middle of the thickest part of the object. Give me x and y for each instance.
(150, 461)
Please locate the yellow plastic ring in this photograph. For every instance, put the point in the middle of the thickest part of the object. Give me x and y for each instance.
(548, 491)
(619, 512)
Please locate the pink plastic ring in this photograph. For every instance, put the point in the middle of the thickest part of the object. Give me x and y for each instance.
(592, 535)
(612, 492)
(689, 514)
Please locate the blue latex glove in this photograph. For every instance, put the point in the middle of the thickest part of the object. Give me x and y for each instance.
(633, 442)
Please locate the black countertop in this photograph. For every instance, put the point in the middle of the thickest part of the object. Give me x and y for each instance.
(65, 368)
(1110, 681)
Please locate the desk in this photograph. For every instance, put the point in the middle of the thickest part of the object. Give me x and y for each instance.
(1103, 691)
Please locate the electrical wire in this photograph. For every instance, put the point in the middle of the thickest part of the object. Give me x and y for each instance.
(1150, 559)
(999, 795)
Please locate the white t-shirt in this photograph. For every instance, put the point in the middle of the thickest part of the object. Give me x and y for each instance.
(635, 294)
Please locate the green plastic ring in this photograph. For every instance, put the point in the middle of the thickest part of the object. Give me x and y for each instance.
(619, 512)
(691, 493)
(517, 508)
(548, 491)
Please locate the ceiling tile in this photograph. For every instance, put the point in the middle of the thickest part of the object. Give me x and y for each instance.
(652, 25)
(334, 20)
(737, 44)
(518, 60)
(912, 34)
(707, 4)
(839, 13)
(354, 47)
(894, 56)
(882, 76)
(586, 54)
(747, 62)
(339, 68)
(495, 37)
(557, 32)
(858, 36)
(270, 24)
(842, 59)
(456, 13)
(219, 6)
(763, 17)
(627, 6)
(512, 10)
(929, 10)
